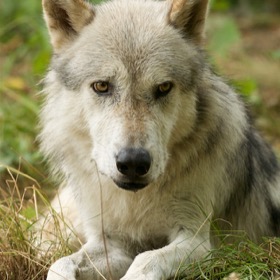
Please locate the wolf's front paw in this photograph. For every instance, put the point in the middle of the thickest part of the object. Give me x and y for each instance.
(63, 269)
(144, 267)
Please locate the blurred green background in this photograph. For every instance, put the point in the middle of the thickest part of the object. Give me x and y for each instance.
(244, 45)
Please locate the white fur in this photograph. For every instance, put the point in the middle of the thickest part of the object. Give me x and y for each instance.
(146, 234)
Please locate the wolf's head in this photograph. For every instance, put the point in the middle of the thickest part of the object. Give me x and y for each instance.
(131, 69)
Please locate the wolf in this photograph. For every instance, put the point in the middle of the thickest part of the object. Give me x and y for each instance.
(154, 147)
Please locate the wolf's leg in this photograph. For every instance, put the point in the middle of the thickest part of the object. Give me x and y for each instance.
(164, 263)
(91, 263)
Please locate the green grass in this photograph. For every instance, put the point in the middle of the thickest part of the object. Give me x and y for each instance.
(20, 259)
(22, 255)
(246, 259)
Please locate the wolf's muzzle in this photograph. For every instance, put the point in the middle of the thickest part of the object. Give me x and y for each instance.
(133, 164)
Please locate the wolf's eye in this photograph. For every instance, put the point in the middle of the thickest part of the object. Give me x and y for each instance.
(163, 89)
(101, 87)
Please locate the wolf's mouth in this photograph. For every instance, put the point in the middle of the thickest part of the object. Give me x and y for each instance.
(130, 186)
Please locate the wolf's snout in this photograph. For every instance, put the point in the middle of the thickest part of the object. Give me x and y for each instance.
(133, 163)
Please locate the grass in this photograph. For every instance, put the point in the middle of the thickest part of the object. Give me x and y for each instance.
(245, 259)
(18, 256)
(22, 256)
(20, 259)
(24, 56)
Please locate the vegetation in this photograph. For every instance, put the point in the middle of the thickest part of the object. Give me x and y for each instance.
(244, 48)
(243, 260)
(22, 255)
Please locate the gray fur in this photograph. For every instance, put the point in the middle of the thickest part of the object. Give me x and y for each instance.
(209, 165)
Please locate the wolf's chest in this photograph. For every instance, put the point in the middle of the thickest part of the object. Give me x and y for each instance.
(139, 217)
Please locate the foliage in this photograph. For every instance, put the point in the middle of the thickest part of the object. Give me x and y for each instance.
(20, 259)
(24, 57)
(276, 54)
(21, 255)
(248, 5)
(25, 37)
(244, 258)
(225, 36)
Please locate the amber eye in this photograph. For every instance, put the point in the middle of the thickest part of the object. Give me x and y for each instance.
(163, 89)
(100, 87)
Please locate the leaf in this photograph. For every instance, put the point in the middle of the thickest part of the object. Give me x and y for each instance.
(29, 213)
(275, 54)
(220, 5)
(247, 87)
(224, 37)
(16, 83)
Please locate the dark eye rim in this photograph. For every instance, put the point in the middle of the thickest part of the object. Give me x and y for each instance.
(161, 93)
(101, 92)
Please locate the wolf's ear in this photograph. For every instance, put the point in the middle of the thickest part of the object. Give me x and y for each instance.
(65, 19)
(189, 16)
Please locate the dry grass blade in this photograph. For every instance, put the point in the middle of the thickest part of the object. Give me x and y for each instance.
(20, 259)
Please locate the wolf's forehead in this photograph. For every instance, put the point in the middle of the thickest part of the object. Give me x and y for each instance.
(132, 13)
(135, 32)
(132, 25)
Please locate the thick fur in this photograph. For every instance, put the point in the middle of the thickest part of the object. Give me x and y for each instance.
(209, 166)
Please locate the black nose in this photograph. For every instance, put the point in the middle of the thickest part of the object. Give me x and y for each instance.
(133, 163)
